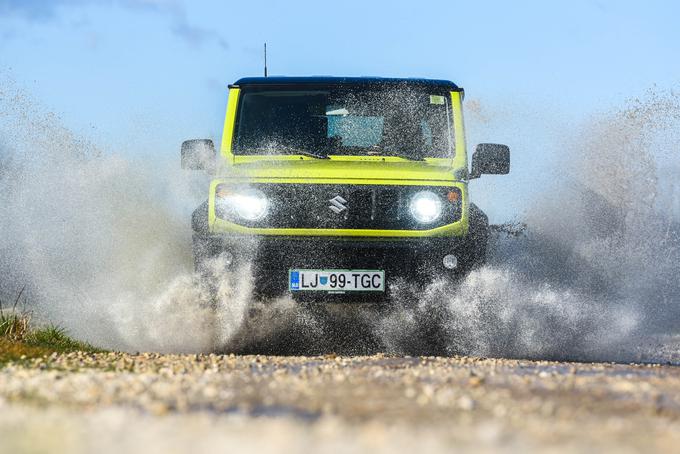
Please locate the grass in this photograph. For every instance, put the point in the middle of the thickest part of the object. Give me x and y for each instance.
(19, 340)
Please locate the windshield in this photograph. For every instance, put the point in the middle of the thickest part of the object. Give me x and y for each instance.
(413, 123)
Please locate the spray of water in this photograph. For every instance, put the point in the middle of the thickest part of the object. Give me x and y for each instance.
(596, 275)
(104, 244)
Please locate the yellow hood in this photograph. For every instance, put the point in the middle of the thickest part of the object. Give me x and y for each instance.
(373, 168)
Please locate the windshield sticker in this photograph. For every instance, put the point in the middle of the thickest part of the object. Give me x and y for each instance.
(437, 99)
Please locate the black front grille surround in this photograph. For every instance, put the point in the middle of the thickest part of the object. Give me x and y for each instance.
(372, 207)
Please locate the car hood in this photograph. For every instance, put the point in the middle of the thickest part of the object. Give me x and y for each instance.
(335, 169)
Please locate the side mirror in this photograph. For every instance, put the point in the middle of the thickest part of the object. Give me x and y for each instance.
(198, 154)
(490, 158)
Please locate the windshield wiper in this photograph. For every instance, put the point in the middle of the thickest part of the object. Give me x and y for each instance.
(397, 154)
(310, 154)
(282, 150)
(406, 156)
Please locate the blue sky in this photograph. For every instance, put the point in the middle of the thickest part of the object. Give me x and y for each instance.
(139, 76)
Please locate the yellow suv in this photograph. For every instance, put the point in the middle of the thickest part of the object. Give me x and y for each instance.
(338, 186)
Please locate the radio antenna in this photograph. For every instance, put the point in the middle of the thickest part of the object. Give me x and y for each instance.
(265, 59)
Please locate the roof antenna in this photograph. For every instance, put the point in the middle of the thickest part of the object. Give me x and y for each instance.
(265, 59)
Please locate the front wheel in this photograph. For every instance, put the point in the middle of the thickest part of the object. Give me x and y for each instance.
(473, 251)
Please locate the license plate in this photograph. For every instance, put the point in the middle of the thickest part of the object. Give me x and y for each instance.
(336, 281)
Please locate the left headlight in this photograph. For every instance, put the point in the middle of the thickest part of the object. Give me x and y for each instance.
(248, 204)
(426, 207)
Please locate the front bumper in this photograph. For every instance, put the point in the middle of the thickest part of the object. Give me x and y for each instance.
(272, 257)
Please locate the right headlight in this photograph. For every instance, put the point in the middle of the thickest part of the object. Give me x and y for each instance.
(426, 207)
(247, 204)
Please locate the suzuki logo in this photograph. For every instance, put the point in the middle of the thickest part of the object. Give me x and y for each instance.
(337, 205)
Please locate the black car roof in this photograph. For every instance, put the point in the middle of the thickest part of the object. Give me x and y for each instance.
(331, 80)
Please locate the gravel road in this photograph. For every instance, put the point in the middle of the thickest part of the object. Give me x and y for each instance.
(226, 403)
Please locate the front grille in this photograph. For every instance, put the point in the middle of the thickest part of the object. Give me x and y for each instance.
(374, 207)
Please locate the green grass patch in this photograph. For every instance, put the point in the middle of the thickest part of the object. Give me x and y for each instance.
(56, 340)
(20, 341)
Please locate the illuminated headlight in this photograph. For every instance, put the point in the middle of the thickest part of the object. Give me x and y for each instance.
(425, 207)
(250, 205)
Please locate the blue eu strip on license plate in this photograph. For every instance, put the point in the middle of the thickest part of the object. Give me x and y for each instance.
(336, 280)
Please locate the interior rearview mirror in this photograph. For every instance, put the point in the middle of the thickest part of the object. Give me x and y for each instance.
(198, 154)
(491, 159)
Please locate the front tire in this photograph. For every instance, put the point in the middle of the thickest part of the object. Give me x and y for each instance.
(473, 251)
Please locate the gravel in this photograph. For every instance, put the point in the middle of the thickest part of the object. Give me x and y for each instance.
(173, 403)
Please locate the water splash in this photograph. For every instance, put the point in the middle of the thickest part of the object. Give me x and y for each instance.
(596, 273)
(104, 242)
